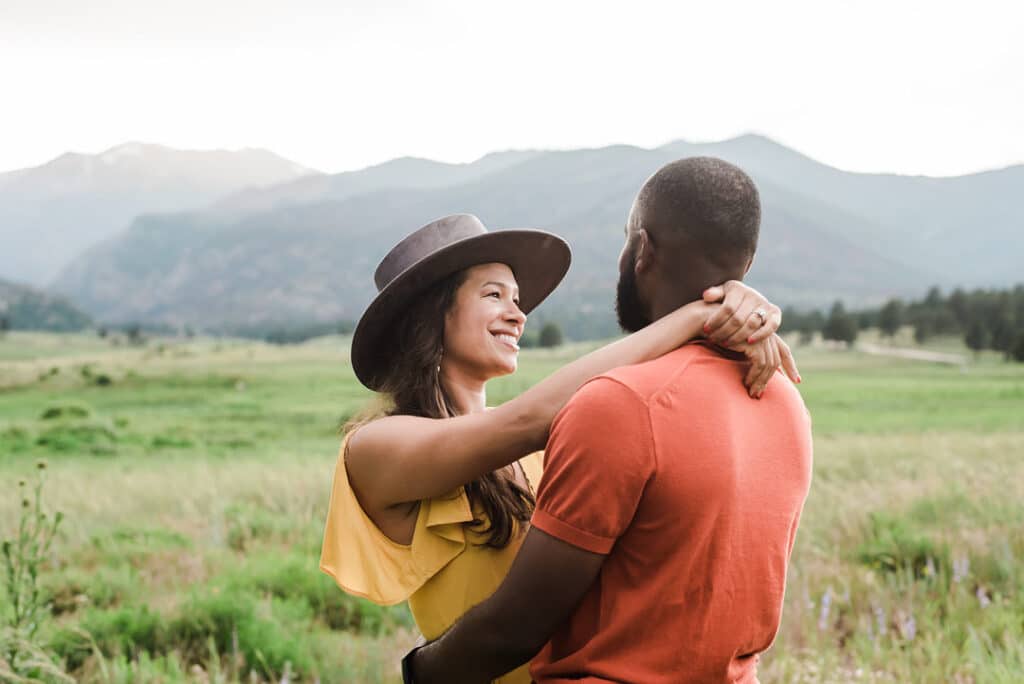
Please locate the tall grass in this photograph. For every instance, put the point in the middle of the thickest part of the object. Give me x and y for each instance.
(195, 484)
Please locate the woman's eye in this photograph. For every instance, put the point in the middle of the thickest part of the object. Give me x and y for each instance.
(494, 294)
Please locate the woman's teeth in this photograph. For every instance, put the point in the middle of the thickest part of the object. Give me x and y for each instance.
(509, 340)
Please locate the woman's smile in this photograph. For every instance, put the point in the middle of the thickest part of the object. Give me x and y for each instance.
(507, 339)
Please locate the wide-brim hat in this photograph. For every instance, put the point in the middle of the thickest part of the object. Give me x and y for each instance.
(538, 259)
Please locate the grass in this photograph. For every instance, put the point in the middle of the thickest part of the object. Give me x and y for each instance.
(194, 481)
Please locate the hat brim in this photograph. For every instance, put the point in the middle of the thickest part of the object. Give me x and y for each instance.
(538, 259)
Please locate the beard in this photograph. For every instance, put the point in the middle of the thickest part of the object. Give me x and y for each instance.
(628, 308)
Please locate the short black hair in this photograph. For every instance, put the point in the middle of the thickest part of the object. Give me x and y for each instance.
(710, 203)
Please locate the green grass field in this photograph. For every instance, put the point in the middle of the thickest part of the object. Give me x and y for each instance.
(194, 477)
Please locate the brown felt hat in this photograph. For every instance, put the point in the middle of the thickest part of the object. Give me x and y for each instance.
(538, 259)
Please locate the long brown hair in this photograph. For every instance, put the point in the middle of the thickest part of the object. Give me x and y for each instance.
(412, 386)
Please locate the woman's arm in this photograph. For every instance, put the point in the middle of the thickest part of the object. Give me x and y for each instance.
(405, 458)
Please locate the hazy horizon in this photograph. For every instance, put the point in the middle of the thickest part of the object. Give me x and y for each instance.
(914, 88)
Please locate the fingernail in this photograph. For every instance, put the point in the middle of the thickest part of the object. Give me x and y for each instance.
(706, 329)
(750, 340)
(798, 379)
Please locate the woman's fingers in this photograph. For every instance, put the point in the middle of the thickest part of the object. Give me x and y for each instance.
(768, 370)
(770, 327)
(788, 362)
(714, 294)
(730, 296)
(757, 357)
(753, 324)
(726, 321)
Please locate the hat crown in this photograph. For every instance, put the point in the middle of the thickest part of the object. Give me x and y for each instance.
(424, 242)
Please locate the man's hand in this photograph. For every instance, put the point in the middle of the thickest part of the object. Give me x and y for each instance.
(546, 582)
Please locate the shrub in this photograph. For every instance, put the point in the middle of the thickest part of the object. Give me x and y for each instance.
(14, 439)
(550, 335)
(93, 437)
(125, 631)
(66, 410)
(231, 622)
(296, 578)
(892, 545)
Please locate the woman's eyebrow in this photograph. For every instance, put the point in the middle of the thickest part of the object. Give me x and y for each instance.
(503, 286)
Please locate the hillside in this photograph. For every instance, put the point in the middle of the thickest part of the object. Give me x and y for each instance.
(50, 213)
(306, 250)
(25, 308)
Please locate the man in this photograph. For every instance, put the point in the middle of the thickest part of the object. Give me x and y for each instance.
(670, 500)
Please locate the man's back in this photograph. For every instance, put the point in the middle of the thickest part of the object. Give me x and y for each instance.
(694, 491)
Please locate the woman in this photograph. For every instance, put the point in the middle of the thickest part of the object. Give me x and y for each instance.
(433, 511)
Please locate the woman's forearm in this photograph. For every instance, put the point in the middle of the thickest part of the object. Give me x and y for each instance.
(534, 410)
(406, 458)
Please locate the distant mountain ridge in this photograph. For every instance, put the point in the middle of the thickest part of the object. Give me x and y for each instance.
(25, 308)
(51, 213)
(305, 249)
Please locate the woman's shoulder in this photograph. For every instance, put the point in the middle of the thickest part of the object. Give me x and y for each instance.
(533, 466)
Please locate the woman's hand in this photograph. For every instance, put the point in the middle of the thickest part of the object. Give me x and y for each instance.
(738, 320)
(737, 325)
(765, 358)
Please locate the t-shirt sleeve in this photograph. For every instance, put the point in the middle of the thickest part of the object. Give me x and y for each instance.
(599, 458)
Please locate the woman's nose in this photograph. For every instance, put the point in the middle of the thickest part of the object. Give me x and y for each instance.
(515, 315)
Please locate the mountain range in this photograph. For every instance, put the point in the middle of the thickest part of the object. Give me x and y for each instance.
(50, 213)
(304, 249)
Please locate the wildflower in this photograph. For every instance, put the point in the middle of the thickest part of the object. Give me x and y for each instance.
(983, 599)
(908, 628)
(880, 620)
(826, 607)
(929, 568)
(961, 566)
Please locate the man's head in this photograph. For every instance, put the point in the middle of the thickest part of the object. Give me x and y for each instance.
(693, 224)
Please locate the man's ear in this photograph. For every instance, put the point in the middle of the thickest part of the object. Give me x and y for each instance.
(644, 252)
(750, 262)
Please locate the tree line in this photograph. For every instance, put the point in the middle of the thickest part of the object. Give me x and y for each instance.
(986, 319)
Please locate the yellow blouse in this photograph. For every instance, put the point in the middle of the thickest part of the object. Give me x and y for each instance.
(444, 572)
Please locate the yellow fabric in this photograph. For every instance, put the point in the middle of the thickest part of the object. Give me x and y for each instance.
(444, 572)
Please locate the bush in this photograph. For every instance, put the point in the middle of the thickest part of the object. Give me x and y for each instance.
(15, 439)
(66, 410)
(230, 621)
(125, 631)
(295, 578)
(892, 545)
(550, 335)
(96, 438)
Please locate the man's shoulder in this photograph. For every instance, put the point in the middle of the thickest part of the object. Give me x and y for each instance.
(646, 379)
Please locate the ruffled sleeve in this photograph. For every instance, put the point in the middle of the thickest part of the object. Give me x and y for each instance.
(365, 562)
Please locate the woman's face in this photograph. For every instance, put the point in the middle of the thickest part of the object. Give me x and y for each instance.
(484, 324)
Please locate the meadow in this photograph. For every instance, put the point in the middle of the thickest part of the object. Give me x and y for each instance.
(194, 474)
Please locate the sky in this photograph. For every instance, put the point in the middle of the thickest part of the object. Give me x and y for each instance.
(908, 87)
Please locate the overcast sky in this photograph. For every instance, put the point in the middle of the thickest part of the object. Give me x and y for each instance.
(908, 87)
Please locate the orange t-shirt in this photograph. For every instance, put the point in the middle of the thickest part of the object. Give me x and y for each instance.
(694, 492)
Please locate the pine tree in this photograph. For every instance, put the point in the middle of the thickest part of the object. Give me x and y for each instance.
(550, 335)
(840, 325)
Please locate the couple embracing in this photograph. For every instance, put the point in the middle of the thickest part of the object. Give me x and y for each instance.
(628, 519)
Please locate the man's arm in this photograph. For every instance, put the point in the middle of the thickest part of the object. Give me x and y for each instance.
(548, 579)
